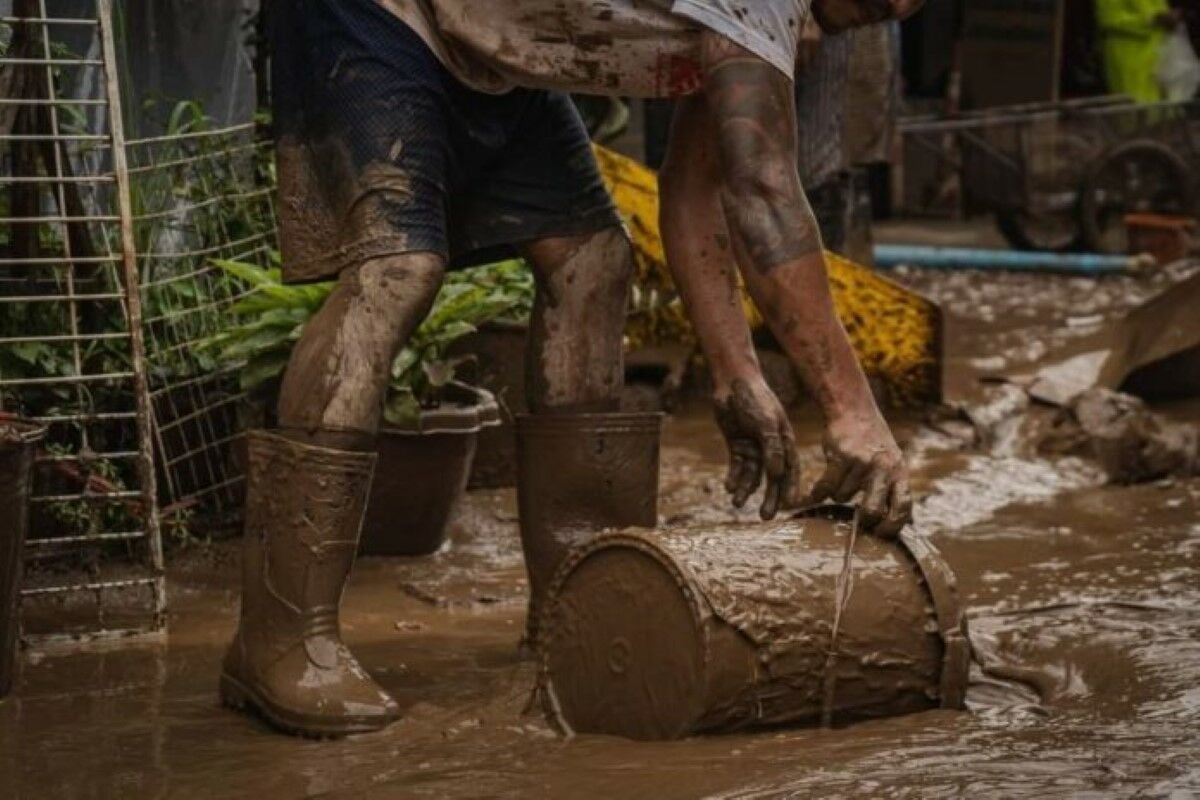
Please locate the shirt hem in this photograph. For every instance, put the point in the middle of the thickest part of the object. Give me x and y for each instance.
(756, 43)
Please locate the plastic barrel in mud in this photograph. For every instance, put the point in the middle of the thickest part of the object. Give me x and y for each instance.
(661, 635)
(17, 442)
(579, 474)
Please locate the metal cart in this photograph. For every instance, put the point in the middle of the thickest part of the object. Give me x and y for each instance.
(1063, 176)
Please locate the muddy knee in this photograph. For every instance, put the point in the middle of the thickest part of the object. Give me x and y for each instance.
(337, 375)
(575, 361)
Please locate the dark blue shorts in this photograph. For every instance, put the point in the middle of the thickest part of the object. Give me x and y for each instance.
(381, 150)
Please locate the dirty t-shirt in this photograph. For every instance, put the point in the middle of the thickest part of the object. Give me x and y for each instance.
(635, 48)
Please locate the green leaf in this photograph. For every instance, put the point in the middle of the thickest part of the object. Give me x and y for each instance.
(402, 409)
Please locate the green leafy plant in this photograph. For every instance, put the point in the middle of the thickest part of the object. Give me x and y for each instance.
(274, 315)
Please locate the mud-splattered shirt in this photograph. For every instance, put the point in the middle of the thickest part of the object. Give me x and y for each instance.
(637, 48)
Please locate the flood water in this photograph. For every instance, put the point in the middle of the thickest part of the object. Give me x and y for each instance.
(1088, 592)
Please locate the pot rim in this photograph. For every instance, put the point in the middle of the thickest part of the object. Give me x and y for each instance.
(473, 410)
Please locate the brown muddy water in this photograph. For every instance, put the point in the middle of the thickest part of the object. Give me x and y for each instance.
(1091, 593)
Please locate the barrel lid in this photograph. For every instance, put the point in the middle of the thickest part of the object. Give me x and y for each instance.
(624, 647)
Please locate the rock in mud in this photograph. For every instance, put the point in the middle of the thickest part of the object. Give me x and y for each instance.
(1129, 441)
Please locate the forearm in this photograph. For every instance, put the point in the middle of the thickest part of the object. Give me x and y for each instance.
(797, 304)
(774, 235)
(705, 275)
(698, 250)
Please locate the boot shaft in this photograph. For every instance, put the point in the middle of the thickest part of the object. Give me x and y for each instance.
(578, 474)
(304, 510)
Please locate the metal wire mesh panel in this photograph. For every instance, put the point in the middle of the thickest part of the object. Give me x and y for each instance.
(71, 343)
(199, 195)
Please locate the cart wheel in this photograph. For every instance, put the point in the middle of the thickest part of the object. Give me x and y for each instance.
(1056, 231)
(1138, 176)
(1050, 219)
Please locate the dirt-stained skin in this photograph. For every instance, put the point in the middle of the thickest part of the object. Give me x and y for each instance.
(754, 119)
(732, 197)
(741, 416)
(334, 387)
(575, 362)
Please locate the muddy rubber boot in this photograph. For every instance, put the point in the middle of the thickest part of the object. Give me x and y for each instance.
(304, 509)
(578, 474)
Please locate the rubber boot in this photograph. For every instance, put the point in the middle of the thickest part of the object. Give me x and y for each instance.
(578, 474)
(304, 510)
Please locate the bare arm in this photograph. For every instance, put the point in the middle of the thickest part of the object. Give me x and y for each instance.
(777, 247)
(697, 244)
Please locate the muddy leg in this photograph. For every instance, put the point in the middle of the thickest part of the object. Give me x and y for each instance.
(575, 363)
(581, 467)
(306, 493)
(333, 390)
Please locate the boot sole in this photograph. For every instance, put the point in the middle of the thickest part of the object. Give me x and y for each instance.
(239, 697)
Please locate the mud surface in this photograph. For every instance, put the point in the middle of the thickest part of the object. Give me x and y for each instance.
(1090, 592)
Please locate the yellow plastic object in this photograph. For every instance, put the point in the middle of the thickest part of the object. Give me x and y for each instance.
(895, 331)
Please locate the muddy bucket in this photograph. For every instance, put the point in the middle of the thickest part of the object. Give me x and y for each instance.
(661, 635)
(578, 474)
(18, 439)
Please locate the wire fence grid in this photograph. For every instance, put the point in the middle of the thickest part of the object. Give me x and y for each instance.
(107, 290)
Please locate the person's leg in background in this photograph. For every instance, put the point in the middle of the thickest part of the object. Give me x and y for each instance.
(1132, 36)
(821, 151)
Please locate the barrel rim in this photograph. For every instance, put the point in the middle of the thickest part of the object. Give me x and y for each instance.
(639, 539)
(952, 618)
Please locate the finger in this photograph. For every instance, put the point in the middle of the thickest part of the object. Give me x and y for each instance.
(749, 479)
(829, 481)
(770, 503)
(899, 509)
(787, 486)
(775, 467)
(851, 483)
(774, 456)
(735, 469)
(875, 499)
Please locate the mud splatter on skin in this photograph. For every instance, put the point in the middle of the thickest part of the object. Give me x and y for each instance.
(760, 442)
(751, 103)
(575, 360)
(337, 374)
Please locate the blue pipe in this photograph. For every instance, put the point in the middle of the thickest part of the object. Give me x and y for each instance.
(888, 256)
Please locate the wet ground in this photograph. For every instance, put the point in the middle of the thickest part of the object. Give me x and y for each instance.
(1091, 593)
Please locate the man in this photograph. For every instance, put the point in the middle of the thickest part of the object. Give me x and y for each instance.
(1133, 32)
(409, 139)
